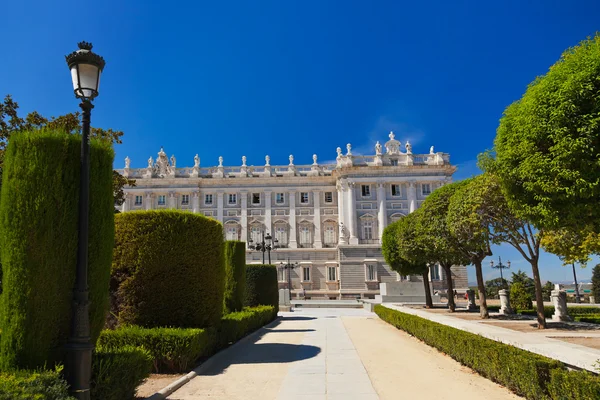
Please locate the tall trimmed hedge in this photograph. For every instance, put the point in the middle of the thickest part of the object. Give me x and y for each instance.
(167, 269)
(261, 285)
(38, 243)
(234, 256)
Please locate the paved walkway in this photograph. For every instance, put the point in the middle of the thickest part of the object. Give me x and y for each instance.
(320, 354)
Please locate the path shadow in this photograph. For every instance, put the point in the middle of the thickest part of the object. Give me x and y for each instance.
(298, 318)
(289, 330)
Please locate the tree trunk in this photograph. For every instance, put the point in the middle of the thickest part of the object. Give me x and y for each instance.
(483, 310)
(539, 299)
(450, 284)
(428, 299)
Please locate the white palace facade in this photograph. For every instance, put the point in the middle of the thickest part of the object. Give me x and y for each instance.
(327, 218)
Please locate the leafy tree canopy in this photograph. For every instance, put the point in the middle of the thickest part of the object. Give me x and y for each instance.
(527, 282)
(571, 246)
(548, 144)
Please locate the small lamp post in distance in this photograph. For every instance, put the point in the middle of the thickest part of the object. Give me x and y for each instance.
(265, 245)
(500, 266)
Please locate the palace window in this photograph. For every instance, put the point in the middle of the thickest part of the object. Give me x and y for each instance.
(279, 198)
(366, 190)
(281, 234)
(329, 234)
(367, 229)
(185, 199)
(426, 188)
(331, 274)
(305, 235)
(396, 190)
(306, 274)
(371, 272)
(231, 232)
(232, 198)
(162, 200)
(434, 272)
(394, 163)
(255, 233)
(328, 197)
(208, 199)
(304, 198)
(255, 198)
(138, 200)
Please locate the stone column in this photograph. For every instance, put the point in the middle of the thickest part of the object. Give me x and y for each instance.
(148, 201)
(470, 299)
(352, 213)
(381, 209)
(317, 219)
(505, 307)
(220, 206)
(592, 300)
(195, 202)
(292, 220)
(268, 218)
(412, 197)
(559, 299)
(244, 217)
(341, 217)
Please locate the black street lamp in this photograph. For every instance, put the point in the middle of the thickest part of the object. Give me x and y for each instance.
(86, 68)
(500, 266)
(266, 244)
(289, 267)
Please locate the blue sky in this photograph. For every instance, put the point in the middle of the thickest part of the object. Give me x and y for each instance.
(294, 77)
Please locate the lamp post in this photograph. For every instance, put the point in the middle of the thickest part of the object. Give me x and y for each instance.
(577, 297)
(288, 266)
(500, 266)
(266, 244)
(86, 68)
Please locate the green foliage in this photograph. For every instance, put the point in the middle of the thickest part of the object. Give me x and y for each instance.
(573, 385)
(389, 246)
(236, 325)
(492, 287)
(592, 319)
(261, 285)
(116, 373)
(167, 269)
(568, 245)
(596, 282)
(234, 255)
(171, 349)
(527, 282)
(519, 298)
(547, 143)
(34, 385)
(547, 290)
(38, 243)
(524, 373)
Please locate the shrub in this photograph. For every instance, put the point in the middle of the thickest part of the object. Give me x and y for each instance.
(38, 385)
(38, 243)
(519, 297)
(573, 385)
(234, 255)
(592, 319)
(116, 373)
(167, 269)
(236, 325)
(172, 349)
(261, 285)
(525, 373)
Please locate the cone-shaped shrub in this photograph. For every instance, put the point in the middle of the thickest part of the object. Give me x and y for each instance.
(261, 285)
(38, 243)
(167, 269)
(234, 255)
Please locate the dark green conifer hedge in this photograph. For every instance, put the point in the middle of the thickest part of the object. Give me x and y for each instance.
(167, 269)
(261, 285)
(38, 243)
(234, 255)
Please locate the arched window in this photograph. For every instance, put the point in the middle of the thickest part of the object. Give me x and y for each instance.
(330, 233)
(256, 230)
(395, 217)
(281, 233)
(305, 234)
(232, 230)
(368, 229)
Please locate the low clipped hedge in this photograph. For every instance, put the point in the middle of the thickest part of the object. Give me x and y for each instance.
(116, 373)
(523, 372)
(234, 260)
(39, 239)
(38, 385)
(167, 269)
(171, 349)
(573, 385)
(591, 319)
(236, 325)
(261, 285)
(572, 311)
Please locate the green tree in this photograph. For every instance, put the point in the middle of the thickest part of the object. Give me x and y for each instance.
(10, 122)
(519, 297)
(596, 282)
(547, 290)
(493, 286)
(548, 143)
(404, 254)
(522, 278)
(432, 233)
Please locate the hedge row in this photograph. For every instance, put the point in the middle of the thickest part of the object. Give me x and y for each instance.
(167, 269)
(592, 318)
(177, 349)
(116, 373)
(261, 285)
(172, 349)
(234, 256)
(39, 385)
(572, 311)
(38, 243)
(527, 374)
